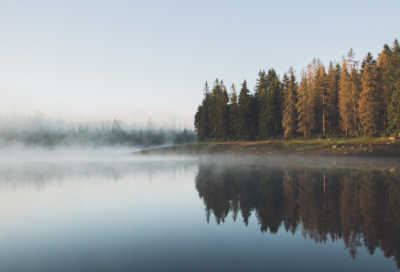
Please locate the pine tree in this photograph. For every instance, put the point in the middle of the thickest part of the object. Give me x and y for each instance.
(266, 100)
(233, 114)
(243, 130)
(223, 113)
(214, 111)
(386, 91)
(270, 100)
(305, 109)
(218, 111)
(394, 111)
(289, 105)
(254, 115)
(369, 103)
(332, 90)
(258, 103)
(202, 125)
(345, 100)
(392, 83)
(321, 97)
(278, 101)
(197, 123)
(355, 90)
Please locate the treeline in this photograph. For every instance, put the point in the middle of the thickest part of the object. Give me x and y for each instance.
(347, 99)
(93, 136)
(358, 207)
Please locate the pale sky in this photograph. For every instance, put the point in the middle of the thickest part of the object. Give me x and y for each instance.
(95, 60)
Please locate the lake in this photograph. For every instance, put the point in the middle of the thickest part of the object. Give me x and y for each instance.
(199, 214)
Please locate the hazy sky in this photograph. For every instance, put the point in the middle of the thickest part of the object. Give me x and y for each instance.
(94, 60)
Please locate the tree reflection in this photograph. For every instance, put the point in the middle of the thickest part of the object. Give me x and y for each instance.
(360, 207)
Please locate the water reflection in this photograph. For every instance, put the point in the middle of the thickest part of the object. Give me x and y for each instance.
(360, 207)
(144, 214)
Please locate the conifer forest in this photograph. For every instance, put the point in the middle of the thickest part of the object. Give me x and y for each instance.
(347, 99)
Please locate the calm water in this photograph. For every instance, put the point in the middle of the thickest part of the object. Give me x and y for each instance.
(189, 214)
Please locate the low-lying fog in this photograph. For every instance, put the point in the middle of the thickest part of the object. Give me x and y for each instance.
(38, 132)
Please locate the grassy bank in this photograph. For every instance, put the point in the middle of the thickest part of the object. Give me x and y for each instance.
(342, 146)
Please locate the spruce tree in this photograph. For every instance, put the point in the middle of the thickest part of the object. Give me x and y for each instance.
(394, 112)
(213, 109)
(270, 101)
(254, 115)
(392, 82)
(332, 89)
(278, 101)
(345, 100)
(355, 90)
(233, 114)
(266, 101)
(383, 60)
(289, 105)
(321, 98)
(305, 107)
(202, 124)
(223, 113)
(244, 117)
(198, 128)
(369, 103)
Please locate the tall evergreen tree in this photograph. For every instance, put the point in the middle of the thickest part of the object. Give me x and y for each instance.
(392, 82)
(369, 103)
(212, 109)
(270, 100)
(394, 111)
(321, 97)
(347, 100)
(305, 109)
(233, 114)
(244, 120)
(355, 90)
(218, 111)
(332, 90)
(383, 61)
(223, 112)
(289, 121)
(198, 128)
(202, 125)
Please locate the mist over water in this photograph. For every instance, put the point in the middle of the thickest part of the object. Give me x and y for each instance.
(39, 132)
(148, 213)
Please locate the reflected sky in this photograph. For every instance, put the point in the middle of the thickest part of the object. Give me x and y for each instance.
(191, 214)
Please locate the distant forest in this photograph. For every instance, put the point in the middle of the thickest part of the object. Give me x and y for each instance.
(344, 100)
(49, 134)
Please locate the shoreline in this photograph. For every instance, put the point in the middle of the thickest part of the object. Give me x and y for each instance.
(363, 147)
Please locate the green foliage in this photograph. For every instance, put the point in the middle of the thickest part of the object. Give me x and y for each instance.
(345, 99)
(394, 111)
(233, 114)
(270, 100)
(332, 96)
(305, 107)
(201, 120)
(392, 81)
(369, 103)
(244, 117)
(289, 118)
